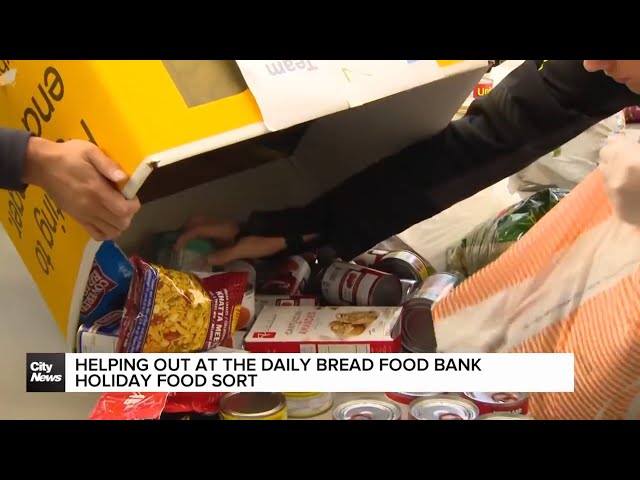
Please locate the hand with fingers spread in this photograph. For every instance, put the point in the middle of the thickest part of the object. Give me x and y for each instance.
(234, 246)
(82, 180)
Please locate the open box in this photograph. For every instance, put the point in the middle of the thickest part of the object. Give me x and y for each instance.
(214, 137)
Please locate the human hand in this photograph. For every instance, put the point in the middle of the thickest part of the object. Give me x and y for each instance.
(226, 235)
(82, 180)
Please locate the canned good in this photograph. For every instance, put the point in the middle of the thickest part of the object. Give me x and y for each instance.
(409, 287)
(100, 336)
(418, 333)
(248, 309)
(500, 402)
(253, 406)
(370, 258)
(367, 410)
(443, 407)
(436, 287)
(504, 416)
(307, 405)
(349, 284)
(404, 399)
(288, 277)
(406, 264)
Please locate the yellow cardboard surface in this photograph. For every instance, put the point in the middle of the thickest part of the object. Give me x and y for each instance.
(131, 109)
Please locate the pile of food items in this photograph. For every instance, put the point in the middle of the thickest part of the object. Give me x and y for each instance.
(173, 302)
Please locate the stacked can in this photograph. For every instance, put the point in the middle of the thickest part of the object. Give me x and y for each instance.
(418, 334)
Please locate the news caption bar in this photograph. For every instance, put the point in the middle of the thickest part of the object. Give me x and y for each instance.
(334, 372)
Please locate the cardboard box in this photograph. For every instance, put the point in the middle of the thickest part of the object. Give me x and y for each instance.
(211, 137)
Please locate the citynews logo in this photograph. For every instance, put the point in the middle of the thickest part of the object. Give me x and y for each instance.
(45, 372)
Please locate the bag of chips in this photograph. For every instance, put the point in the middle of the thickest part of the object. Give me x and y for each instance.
(129, 406)
(176, 312)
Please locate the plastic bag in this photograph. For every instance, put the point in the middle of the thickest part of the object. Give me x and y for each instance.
(169, 311)
(491, 239)
(108, 284)
(572, 284)
(193, 402)
(129, 406)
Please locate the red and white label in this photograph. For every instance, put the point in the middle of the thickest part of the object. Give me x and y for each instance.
(349, 284)
(370, 258)
(284, 301)
(98, 286)
(326, 330)
(288, 278)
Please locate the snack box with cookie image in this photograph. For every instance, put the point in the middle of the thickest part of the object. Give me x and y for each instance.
(326, 330)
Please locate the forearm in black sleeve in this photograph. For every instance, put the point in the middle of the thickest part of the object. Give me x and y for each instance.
(530, 113)
(13, 149)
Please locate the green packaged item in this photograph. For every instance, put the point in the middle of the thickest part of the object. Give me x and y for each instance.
(489, 240)
(192, 258)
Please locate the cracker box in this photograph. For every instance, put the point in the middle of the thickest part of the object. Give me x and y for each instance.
(326, 330)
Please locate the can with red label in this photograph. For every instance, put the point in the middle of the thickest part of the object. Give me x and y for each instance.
(483, 87)
(505, 416)
(407, 265)
(350, 284)
(288, 277)
(500, 402)
(370, 258)
(443, 407)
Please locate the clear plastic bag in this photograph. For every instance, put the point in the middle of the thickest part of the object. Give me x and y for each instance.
(489, 240)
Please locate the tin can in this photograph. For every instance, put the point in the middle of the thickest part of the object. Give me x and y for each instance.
(308, 405)
(418, 333)
(367, 410)
(409, 287)
(404, 399)
(100, 336)
(349, 284)
(248, 309)
(253, 406)
(407, 265)
(288, 277)
(370, 258)
(500, 402)
(483, 87)
(504, 416)
(443, 407)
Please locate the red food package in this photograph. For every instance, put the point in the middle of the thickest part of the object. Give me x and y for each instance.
(193, 402)
(169, 311)
(129, 406)
(632, 114)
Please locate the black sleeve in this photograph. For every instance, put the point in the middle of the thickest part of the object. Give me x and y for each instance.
(13, 148)
(537, 108)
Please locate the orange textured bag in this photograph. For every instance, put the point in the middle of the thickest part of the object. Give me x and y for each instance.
(571, 284)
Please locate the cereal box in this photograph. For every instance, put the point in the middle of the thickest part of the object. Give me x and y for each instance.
(326, 330)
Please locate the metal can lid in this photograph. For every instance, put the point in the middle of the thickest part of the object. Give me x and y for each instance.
(367, 410)
(407, 398)
(505, 416)
(252, 404)
(443, 407)
(418, 333)
(497, 398)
